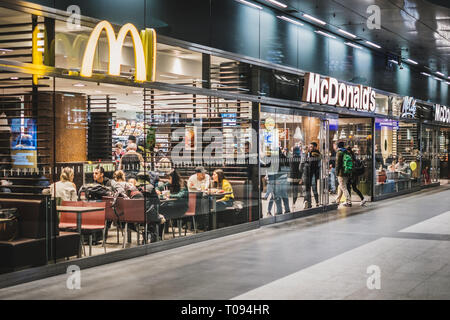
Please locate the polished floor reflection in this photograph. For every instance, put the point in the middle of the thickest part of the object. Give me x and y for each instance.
(324, 256)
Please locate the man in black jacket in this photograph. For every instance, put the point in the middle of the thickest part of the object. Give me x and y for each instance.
(310, 172)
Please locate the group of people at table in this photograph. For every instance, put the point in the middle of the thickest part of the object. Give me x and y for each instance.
(173, 190)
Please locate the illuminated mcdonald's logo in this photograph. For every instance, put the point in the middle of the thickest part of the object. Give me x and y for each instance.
(144, 45)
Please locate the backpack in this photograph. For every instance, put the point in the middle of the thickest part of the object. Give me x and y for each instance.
(95, 191)
(347, 162)
(359, 168)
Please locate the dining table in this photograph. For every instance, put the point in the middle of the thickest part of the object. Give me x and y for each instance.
(213, 197)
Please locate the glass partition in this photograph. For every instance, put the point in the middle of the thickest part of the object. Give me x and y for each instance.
(430, 157)
(292, 148)
(443, 152)
(397, 156)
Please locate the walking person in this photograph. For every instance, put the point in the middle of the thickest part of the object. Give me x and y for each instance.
(353, 179)
(295, 173)
(344, 167)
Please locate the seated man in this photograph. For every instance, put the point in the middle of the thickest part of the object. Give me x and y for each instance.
(402, 167)
(199, 181)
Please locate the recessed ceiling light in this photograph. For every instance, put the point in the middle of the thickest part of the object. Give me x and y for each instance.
(436, 78)
(325, 34)
(79, 85)
(347, 33)
(14, 78)
(250, 4)
(440, 73)
(307, 16)
(426, 74)
(373, 44)
(393, 61)
(137, 91)
(353, 45)
(290, 20)
(282, 5)
(411, 61)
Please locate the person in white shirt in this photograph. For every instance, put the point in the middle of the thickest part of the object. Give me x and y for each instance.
(64, 188)
(199, 181)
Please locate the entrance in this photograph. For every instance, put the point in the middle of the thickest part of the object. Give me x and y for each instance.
(356, 133)
(293, 145)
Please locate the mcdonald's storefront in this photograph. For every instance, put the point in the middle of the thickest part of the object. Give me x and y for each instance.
(74, 99)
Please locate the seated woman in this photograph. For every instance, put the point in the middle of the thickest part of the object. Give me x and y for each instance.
(220, 182)
(179, 196)
(125, 188)
(64, 188)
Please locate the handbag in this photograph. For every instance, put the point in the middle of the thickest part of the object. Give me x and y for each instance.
(9, 224)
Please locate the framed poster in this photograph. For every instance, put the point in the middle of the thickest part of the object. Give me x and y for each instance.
(190, 138)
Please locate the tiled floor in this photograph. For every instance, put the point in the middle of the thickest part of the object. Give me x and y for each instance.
(325, 256)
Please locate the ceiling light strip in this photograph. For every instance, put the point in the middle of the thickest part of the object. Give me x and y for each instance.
(250, 4)
(307, 16)
(290, 20)
(325, 34)
(282, 5)
(347, 33)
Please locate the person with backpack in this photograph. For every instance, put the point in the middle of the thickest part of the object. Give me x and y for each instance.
(358, 170)
(344, 168)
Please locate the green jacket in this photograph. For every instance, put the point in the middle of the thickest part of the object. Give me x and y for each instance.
(340, 164)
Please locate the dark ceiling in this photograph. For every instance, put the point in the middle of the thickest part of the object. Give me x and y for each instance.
(415, 29)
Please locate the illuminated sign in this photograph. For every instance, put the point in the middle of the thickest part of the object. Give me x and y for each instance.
(330, 91)
(409, 107)
(144, 45)
(441, 113)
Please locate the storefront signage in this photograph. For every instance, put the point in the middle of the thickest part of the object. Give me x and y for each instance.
(269, 123)
(441, 113)
(409, 107)
(144, 45)
(330, 91)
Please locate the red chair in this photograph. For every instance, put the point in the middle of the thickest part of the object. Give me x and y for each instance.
(68, 220)
(91, 222)
(192, 209)
(110, 216)
(94, 221)
(133, 212)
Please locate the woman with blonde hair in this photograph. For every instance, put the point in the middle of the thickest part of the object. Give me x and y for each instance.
(64, 188)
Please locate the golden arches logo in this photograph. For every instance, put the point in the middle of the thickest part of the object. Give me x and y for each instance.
(144, 59)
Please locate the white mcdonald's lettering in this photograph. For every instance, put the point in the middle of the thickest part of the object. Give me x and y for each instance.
(441, 113)
(330, 91)
(115, 50)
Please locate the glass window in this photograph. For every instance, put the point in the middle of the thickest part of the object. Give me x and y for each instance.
(430, 157)
(397, 156)
(356, 133)
(443, 152)
(292, 153)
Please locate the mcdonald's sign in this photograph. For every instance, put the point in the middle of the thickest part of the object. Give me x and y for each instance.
(144, 45)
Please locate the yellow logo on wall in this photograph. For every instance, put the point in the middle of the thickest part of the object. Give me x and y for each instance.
(144, 45)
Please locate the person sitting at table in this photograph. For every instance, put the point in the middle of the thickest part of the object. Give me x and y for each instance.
(221, 183)
(199, 181)
(402, 166)
(125, 188)
(131, 162)
(179, 196)
(99, 177)
(64, 188)
(391, 167)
